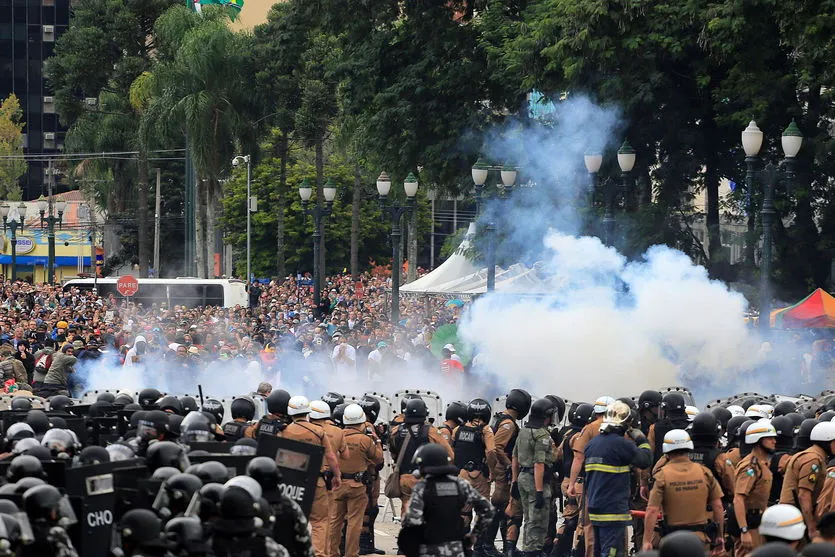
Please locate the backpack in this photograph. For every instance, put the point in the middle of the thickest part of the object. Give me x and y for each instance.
(43, 363)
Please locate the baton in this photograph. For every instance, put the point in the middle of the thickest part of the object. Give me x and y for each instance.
(200, 391)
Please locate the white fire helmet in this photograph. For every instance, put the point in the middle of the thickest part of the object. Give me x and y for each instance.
(677, 440)
(759, 430)
(824, 431)
(736, 410)
(784, 522)
(319, 410)
(691, 412)
(602, 403)
(298, 405)
(756, 411)
(353, 415)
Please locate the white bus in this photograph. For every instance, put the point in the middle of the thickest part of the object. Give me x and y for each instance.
(190, 292)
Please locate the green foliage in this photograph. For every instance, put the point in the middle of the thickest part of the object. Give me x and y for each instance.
(11, 144)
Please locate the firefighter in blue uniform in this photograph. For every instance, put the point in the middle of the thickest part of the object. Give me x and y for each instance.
(608, 462)
(433, 525)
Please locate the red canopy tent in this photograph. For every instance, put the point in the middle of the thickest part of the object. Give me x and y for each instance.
(817, 310)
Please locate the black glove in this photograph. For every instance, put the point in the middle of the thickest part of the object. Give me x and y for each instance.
(540, 500)
(637, 436)
(514, 491)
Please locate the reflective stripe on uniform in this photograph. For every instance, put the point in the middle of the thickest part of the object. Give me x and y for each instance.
(609, 517)
(609, 468)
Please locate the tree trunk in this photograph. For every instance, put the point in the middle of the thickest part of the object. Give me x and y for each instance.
(200, 250)
(412, 256)
(320, 198)
(142, 215)
(211, 228)
(356, 203)
(718, 263)
(281, 203)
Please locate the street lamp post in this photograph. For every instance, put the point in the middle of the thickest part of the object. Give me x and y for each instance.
(235, 162)
(318, 212)
(480, 172)
(593, 161)
(14, 221)
(410, 187)
(47, 208)
(771, 175)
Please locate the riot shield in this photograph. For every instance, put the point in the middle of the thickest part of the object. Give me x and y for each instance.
(299, 464)
(92, 492)
(235, 464)
(434, 405)
(387, 411)
(211, 447)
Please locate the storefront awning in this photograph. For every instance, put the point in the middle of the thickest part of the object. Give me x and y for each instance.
(38, 260)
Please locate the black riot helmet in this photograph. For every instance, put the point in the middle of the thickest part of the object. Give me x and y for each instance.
(827, 416)
(188, 533)
(106, 397)
(123, 399)
(240, 505)
(681, 544)
(243, 407)
(480, 409)
(370, 405)
(213, 407)
(784, 427)
(176, 492)
(189, 404)
(804, 433)
(518, 400)
(333, 399)
(796, 419)
(542, 410)
(277, 402)
(21, 404)
(456, 412)
(264, 470)
(93, 455)
(140, 527)
(99, 409)
(24, 466)
(41, 501)
(212, 472)
(164, 472)
(559, 407)
(432, 459)
(148, 398)
(582, 415)
(166, 453)
(723, 416)
(674, 405)
(705, 429)
(783, 407)
(339, 411)
(649, 399)
(60, 442)
(207, 504)
(415, 411)
(744, 448)
(733, 429)
(171, 405)
(59, 403)
(405, 400)
(38, 421)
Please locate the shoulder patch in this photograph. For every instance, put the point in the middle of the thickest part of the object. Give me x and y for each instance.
(750, 472)
(506, 426)
(815, 468)
(728, 462)
(830, 474)
(813, 478)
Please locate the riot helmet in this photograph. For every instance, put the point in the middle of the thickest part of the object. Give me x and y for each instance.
(338, 414)
(38, 421)
(785, 432)
(188, 533)
(723, 416)
(24, 466)
(681, 544)
(244, 446)
(106, 397)
(175, 494)
(212, 472)
(189, 404)
(559, 407)
(541, 412)
(456, 411)
(784, 407)
(164, 473)
(59, 403)
(333, 399)
(140, 528)
(674, 405)
(582, 415)
(432, 459)
(60, 442)
(243, 407)
(21, 404)
(405, 400)
(148, 398)
(213, 407)
(371, 406)
(93, 455)
(518, 400)
(166, 453)
(264, 470)
(46, 502)
(170, 404)
(649, 399)
(479, 409)
(415, 411)
(705, 429)
(804, 433)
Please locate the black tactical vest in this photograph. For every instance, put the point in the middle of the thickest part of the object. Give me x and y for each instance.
(777, 479)
(442, 504)
(707, 458)
(568, 453)
(406, 466)
(663, 426)
(270, 427)
(232, 431)
(498, 418)
(468, 447)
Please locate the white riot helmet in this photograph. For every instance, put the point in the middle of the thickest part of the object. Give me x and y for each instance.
(784, 522)
(298, 405)
(824, 431)
(736, 410)
(353, 415)
(756, 411)
(691, 412)
(319, 410)
(759, 430)
(768, 409)
(677, 440)
(602, 403)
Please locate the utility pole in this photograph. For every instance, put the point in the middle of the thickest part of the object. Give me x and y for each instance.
(156, 227)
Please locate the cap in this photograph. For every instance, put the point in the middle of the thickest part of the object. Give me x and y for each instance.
(61, 325)
(450, 347)
(381, 344)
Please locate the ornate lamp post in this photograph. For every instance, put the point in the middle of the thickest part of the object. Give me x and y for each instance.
(480, 171)
(46, 208)
(319, 212)
(397, 211)
(14, 220)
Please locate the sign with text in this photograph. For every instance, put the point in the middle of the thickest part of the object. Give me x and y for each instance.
(127, 286)
(299, 464)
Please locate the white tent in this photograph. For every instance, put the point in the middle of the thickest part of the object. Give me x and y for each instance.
(455, 267)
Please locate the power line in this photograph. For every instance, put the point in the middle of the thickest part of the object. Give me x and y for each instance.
(75, 156)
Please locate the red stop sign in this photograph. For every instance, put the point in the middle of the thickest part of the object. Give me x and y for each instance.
(127, 285)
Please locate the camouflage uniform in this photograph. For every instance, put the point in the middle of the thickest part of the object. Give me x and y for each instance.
(291, 529)
(534, 446)
(414, 517)
(274, 549)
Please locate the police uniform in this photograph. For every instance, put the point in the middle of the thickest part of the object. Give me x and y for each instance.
(373, 496)
(271, 425)
(589, 432)
(319, 513)
(350, 500)
(683, 491)
(435, 506)
(446, 429)
(475, 454)
(505, 432)
(570, 507)
(804, 471)
(236, 429)
(753, 482)
(826, 498)
(534, 446)
(419, 437)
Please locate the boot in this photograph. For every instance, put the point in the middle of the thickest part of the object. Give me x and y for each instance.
(510, 549)
(488, 548)
(374, 550)
(366, 546)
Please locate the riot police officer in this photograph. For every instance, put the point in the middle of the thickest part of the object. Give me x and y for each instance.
(704, 434)
(49, 513)
(236, 532)
(455, 415)
(580, 417)
(649, 404)
(433, 525)
(534, 455)
(140, 534)
(475, 455)
(784, 427)
(274, 422)
(505, 431)
(371, 407)
(243, 411)
(752, 486)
